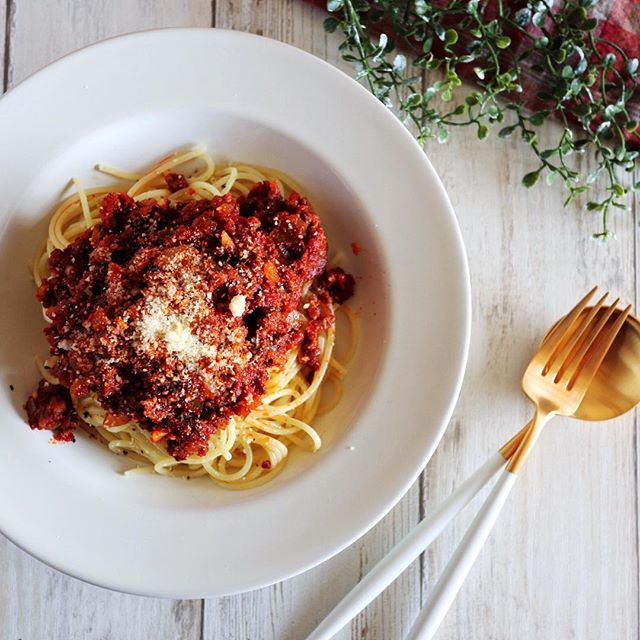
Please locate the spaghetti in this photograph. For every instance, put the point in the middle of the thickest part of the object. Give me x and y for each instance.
(226, 260)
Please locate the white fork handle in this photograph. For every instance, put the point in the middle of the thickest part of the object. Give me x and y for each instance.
(406, 551)
(447, 587)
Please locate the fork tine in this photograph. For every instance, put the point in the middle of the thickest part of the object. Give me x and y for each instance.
(567, 348)
(576, 356)
(582, 342)
(556, 339)
(585, 367)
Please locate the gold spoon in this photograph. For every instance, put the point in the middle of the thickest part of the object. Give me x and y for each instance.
(615, 389)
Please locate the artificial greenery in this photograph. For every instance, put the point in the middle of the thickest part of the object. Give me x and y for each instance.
(591, 80)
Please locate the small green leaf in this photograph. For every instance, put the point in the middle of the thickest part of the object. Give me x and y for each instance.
(474, 45)
(567, 71)
(618, 189)
(446, 95)
(430, 93)
(547, 153)
(450, 37)
(479, 72)
(559, 56)
(589, 24)
(594, 206)
(459, 110)
(577, 15)
(522, 17)
(492, 111)
(399, 63)
(471, 100)
(421, 7)
(611, 111)
(502, 42)
(551, 176)
(538, 19)
(483, 131)
(537, 118)
(505, 132)
(565, 149)
(331, 24)
(427, 44)
(581, 67)
(631, 66)
(414, 100)
(334, 5)
(442, 136)
(530, 179)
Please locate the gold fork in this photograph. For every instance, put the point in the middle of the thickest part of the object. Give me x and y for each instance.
(563, 337)
(556, 381)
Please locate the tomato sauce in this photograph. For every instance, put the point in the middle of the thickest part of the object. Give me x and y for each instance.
(172, 314)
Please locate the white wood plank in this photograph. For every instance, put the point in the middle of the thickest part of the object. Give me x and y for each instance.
(289, 610)
(562, 561)
(38, 602)
(35, 601)
(48, 30)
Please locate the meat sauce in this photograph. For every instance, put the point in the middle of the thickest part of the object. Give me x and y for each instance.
(172, 314)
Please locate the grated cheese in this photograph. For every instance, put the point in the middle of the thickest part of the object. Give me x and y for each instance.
(176, 318)
(158, 325)
(237, 305)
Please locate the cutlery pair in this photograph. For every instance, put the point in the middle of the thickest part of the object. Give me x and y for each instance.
(556, 381)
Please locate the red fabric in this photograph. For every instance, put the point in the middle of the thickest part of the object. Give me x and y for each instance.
(619, 21)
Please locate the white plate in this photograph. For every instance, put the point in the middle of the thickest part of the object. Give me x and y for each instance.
(128, 101)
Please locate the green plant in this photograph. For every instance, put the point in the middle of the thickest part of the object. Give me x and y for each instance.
(591, 80)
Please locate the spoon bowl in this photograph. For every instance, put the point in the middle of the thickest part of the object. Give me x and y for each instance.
(615, 389)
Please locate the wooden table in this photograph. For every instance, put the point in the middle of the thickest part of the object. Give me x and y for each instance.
(563, 560)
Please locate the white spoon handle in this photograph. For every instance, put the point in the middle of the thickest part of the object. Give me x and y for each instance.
(447, 587)
(406, 551)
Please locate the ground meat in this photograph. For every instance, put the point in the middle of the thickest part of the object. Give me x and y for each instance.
(339, 284)
(173, 314)
(50, 408)
(175, 181)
